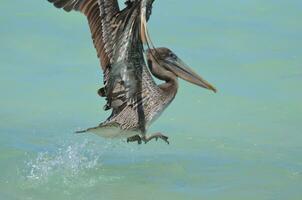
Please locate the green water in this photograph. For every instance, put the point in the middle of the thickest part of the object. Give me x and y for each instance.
(242, 143)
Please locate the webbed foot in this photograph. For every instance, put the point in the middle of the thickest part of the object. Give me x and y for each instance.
(156, 136)
(135, 138)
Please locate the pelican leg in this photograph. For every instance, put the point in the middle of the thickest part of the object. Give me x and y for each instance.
(135, 138)
(155, 136)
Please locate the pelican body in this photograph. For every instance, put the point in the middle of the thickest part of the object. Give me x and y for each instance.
(135, 99)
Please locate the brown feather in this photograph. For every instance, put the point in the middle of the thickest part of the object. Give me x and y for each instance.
(101, 16)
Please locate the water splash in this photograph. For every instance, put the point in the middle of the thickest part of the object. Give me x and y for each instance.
(76, 164)
(65, 164)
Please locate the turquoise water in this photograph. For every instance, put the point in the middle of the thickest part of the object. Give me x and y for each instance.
(242, 143)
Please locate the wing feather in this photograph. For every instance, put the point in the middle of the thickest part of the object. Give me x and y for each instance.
(118, 36)
(101, 16)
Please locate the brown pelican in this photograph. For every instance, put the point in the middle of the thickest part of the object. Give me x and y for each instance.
(130, 90)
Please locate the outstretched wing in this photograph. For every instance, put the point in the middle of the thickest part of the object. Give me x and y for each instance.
(118, 32)
(101, 15)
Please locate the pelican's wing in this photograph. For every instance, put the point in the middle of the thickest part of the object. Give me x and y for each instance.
(101, 15)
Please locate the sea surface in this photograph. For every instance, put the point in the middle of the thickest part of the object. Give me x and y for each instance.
(245, 142)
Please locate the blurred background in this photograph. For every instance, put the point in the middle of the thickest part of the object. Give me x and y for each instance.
(242, 143)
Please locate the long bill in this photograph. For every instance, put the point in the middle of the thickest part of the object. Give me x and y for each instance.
(184, 72)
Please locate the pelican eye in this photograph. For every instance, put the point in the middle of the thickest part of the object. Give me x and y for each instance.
(172, 55)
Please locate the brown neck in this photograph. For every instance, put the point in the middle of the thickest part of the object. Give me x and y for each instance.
(171, 83)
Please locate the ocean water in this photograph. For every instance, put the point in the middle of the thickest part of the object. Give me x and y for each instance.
(242, 143)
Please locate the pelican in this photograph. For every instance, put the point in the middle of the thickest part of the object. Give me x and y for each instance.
(120, 38)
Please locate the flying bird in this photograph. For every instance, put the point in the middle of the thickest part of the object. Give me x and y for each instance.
(130, 62)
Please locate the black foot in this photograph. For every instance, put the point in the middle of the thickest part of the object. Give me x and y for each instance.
(135, 138)
(156, 136)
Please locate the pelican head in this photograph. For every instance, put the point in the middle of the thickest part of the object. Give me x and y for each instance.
(163, 63)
